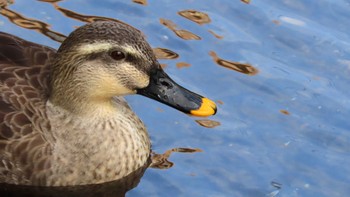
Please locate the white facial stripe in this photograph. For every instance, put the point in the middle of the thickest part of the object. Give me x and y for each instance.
(106, 46)
(132, 50)
(94, 47)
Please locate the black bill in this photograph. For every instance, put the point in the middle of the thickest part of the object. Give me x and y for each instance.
(163, 89)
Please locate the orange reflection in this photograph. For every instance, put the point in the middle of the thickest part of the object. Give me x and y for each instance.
(195, 16)
(168, 23)
(42, 27)
(142, 2)
(182, 65)
(161, 161)
(50, 1)
(79, 17)
(239, 67)
(162, 53)
(184, 34)
(83, 18)
(33, 24)
(208, 123)
(216, 36)
(285, 112)
(246, 1)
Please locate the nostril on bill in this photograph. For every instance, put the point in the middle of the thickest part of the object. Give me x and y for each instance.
(164, 82)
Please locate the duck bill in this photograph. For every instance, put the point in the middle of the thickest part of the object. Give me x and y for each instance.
(163, 89)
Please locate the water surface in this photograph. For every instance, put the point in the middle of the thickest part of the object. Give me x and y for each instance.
(281, 86)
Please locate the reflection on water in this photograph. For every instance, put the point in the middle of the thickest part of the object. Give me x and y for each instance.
(160, 161)
(216, 35)
(182, 65)
(116, 188)
(195, 16)
(162, 53)
(50, 1)
(305, 151)
(43, 28)
(142, 2)
(246, 1)
(33, 24)
(285, 112)
(208, 123)
(184, 34)
(81, 17)
(239, 67)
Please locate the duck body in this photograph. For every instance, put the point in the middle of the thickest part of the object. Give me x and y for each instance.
(63, 120)
(117, 145)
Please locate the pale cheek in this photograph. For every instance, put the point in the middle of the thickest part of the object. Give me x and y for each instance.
(135, 76)
(115, 88)
(143, 81)
(121, 90)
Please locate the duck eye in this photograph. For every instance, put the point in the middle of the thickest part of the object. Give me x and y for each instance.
(117, 55)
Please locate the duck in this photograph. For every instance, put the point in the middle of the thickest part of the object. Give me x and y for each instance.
(63, 118)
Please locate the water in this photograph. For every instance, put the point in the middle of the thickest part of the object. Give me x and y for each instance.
(284, 131)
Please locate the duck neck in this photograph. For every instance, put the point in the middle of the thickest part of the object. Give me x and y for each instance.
(78, 92)
(82, 105)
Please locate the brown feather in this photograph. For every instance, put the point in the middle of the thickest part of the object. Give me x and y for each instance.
(23, 93)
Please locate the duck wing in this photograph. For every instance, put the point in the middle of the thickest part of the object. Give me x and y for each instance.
(24, 77)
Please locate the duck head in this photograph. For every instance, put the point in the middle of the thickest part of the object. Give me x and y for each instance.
(104, 59)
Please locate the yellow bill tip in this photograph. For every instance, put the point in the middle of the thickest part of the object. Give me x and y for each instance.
(207, 108)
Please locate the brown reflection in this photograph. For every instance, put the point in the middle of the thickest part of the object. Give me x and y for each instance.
(33, 24)
(277, 22)
(208, 123)
(50, 1)
(220, 102)
(142, 2)
(239, 67)
(285, 112)
(168, 23)
(216, 35)
(246, 1)
(182, 65)
(83, 18)
(162, 53)
(195, 16)
(161, 161)
(116, 188)
(43, 27)
(184, 34)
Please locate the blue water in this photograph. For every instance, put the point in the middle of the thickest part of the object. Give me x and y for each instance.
(302, 52)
